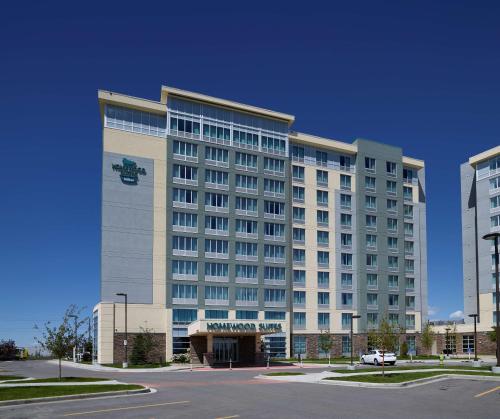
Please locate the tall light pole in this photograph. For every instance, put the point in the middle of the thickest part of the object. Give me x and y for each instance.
(446, 342)
(495, 236)
(125, 343)
(475, 335)
(354, 316)
(74, 316)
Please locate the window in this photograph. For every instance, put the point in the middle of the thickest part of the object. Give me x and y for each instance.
(297, 153)
(409, 248)
(371, 261)
(410, 284)
(372, 320)
(274, 166)
(323, 258)
(408, 229)
(323, 298)
(136, 121)
(246, 315)
(273, 273)
(216, 271)
(323, 279)
(371, 221)
(345, 201)
(346, 320)
(369, 164)
(246, 205)
(216, 248)
(216, 132)
(392, 262)
(245, 249)
(392, 243)
(274, 230)
(246, 161)
(274, 187)
(372, 300)
(370, 183)
(345, 163)
(391, 187)
(346, 280)
(299, 298)
(185, 196)
(216, 294)
(410, 321)
(184, 315)
(371, 241)
(216, 177)
(273, 145)
(409, 265)
(346, 239)
(183, 219)
(393, 300)
(495, 163)
(323, 320)
(299, 256)
(180, 148)
(299, 214)
(495, 202)
(299, 320)
(246, 183)
(345, 220)
(407, 175)
(412, 345)
(407, 193)
(468, 344)
(299, 278)
(274, 253)
(299, 346)
(410, 302)
(299, 235)
(216, 225)
(408, 211)
(346, 260)
(216, 200)
(495, 221)
(216, 314)
(393, 281)
(245, 139)
(246, 273)
(391, 168)
(184, 243)
(322, 177)
(322, 238)
(392, 225)
(321, 158)
(345, 182)
(246, 227)
(372, 281)
(274, 209)
(495, 183)
(322, 198)
(298, 194)
(346, 345)
(274, 295)
(298, 173)
(346, 299)
(246, 295)
(184, 172)
(274, 315)
(392, 205)
(393, 318)
(370, 202)
(184, 292)
(214, 155)
(184, 268)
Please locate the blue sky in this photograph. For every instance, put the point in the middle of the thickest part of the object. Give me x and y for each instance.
(417, 74)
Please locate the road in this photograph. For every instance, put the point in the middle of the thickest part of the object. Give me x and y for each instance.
(237, 394)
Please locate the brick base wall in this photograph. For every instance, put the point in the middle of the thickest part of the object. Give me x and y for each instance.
(158, 353)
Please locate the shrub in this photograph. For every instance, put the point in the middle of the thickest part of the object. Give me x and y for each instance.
(8, 350)
(181, 358)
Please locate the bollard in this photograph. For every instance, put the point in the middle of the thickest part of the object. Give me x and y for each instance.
(191, 365)
(329, 361)
(267, 363)
(230, 364)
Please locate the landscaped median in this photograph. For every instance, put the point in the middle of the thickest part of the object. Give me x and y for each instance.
(30, 390)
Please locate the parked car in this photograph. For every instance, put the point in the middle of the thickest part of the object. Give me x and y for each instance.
(375, 357)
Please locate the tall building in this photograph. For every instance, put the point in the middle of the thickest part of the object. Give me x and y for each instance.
(480, 187)
(237, 238)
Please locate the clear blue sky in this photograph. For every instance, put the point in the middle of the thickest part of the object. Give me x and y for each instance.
(421, 75)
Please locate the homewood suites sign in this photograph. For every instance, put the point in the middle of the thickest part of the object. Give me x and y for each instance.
(129, 171)
(243, 327)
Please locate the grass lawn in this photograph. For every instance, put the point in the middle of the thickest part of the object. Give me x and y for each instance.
(411, 367)
(63, 380)
(403, 377)
(280, 374)
(15, 393)
(10, 377)
(316, 361)
(157, 365)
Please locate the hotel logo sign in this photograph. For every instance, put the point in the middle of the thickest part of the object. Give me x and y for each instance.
(244, 327)
(129, 171)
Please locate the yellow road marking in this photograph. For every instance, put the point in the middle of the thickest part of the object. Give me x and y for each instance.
(484, 393)
(228, 417)
(125, 408)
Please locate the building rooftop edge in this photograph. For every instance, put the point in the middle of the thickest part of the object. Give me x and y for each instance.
(485, 155)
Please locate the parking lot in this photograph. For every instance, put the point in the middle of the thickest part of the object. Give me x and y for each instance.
(238, 394)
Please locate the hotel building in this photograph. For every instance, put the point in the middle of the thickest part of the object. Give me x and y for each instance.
(237, 238)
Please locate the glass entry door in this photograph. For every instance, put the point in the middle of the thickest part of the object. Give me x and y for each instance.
(225, 349)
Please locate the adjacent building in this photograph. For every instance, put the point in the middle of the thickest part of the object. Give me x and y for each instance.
(237, 238)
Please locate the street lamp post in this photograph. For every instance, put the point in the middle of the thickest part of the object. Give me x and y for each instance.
(125, 343)
(74, 316)
(446, 342)
(475, 335)
(495, 236)
(354, 316)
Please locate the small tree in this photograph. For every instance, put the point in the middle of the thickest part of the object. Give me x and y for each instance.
(492, 334)
(143, 345)
(427, 337)
(385, 338)
(325, 343)
(8, 350)
(404, 349)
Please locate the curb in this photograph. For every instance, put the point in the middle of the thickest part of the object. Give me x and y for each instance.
(102, 368)
(75, 397)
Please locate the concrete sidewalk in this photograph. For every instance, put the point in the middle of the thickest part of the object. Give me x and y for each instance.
(102, 368)
(7, 384)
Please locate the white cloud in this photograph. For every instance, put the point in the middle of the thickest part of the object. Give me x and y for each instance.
(432, 311)
(459, 314)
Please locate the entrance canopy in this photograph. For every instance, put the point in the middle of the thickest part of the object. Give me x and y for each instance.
(227, 327)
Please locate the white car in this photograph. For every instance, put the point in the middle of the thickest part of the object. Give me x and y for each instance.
(375, 357)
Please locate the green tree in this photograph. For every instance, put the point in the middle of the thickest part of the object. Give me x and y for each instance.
(325, 343)
(492, 334)
(8, 350)
(143, 345)
(404, 349)
(385, 338)
(427, 337)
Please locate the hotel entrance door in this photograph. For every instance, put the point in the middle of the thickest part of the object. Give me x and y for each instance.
(225, 349)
